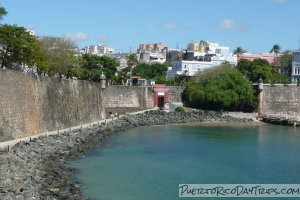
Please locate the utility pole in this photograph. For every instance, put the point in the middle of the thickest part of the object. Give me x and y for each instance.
(150, 29)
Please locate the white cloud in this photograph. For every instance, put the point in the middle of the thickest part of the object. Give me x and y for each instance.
(231, 25)
(171, 25)
(104, 39)
(280, 1)
(76, 37)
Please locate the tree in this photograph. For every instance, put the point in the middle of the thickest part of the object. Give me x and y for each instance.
(284, 63)
(256, 69)
(93, 66)
(150, 71)
(275, 49)
(132, 61)
(3, 12)
(123, 75)
(17, 47)
(181, 78)
(60, 54)
(259, 68)
(239, 51)
(109, 68)
(221, 87)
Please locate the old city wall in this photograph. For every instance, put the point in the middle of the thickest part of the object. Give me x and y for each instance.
(122, 99)
(280, 99)
(175, 94)
(30, 105)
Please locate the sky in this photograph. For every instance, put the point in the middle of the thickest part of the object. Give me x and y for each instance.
(254, 25)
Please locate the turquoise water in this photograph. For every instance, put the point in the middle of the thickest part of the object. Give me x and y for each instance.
(149, 163)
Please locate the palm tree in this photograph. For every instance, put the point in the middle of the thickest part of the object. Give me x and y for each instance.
(132, 61)
(275, 49)
(2, 12)
(123, 74)
(239, 51)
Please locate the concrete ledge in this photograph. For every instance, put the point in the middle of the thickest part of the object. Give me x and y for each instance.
(11, 143)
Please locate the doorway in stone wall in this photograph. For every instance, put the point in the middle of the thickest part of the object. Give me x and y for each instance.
(161, 101)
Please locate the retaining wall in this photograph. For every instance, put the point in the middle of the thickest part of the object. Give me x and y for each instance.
(175, 94)
(121, 99)
(30, 105)
(280, 99)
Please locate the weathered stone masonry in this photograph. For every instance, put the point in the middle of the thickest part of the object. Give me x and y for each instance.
(30, 105)
(280, 99)
(121, 99)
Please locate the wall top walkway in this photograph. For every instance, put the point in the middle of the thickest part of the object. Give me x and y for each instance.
(11, 143)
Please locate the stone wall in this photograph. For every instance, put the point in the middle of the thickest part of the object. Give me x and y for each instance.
(175, 94)
(280, 99)
(30, 105)
(121, 99)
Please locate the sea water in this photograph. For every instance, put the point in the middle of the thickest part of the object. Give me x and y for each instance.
(149, 163)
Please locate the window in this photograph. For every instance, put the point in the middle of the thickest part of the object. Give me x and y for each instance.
(296, 57)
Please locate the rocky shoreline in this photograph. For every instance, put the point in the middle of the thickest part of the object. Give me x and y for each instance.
(36, 170)
(281, 120)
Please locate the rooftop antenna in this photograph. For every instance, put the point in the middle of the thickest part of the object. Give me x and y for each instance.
(150, 29)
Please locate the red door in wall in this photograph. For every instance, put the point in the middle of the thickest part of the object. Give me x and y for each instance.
(161, 94)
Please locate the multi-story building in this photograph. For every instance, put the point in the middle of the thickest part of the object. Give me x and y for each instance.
(157, 47)
(187, 68)
(295, 75)
(191, 67)
(174, 54)
(193, 47)
(200, 56)
(99, 50)
(270, 57)
(151, 53)
(207, 48)
(121, 58)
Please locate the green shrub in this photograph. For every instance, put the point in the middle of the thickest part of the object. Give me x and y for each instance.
(179, 109)
(222, 87)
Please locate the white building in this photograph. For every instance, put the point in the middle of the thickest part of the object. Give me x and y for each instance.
(229, 58)
(190, 68)
(99, 50)
(200, 56)
(295, 76)
(153, 57)
(152, 53)
(31, 31)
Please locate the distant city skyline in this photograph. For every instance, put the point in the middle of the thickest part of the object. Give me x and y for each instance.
(254, 25)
